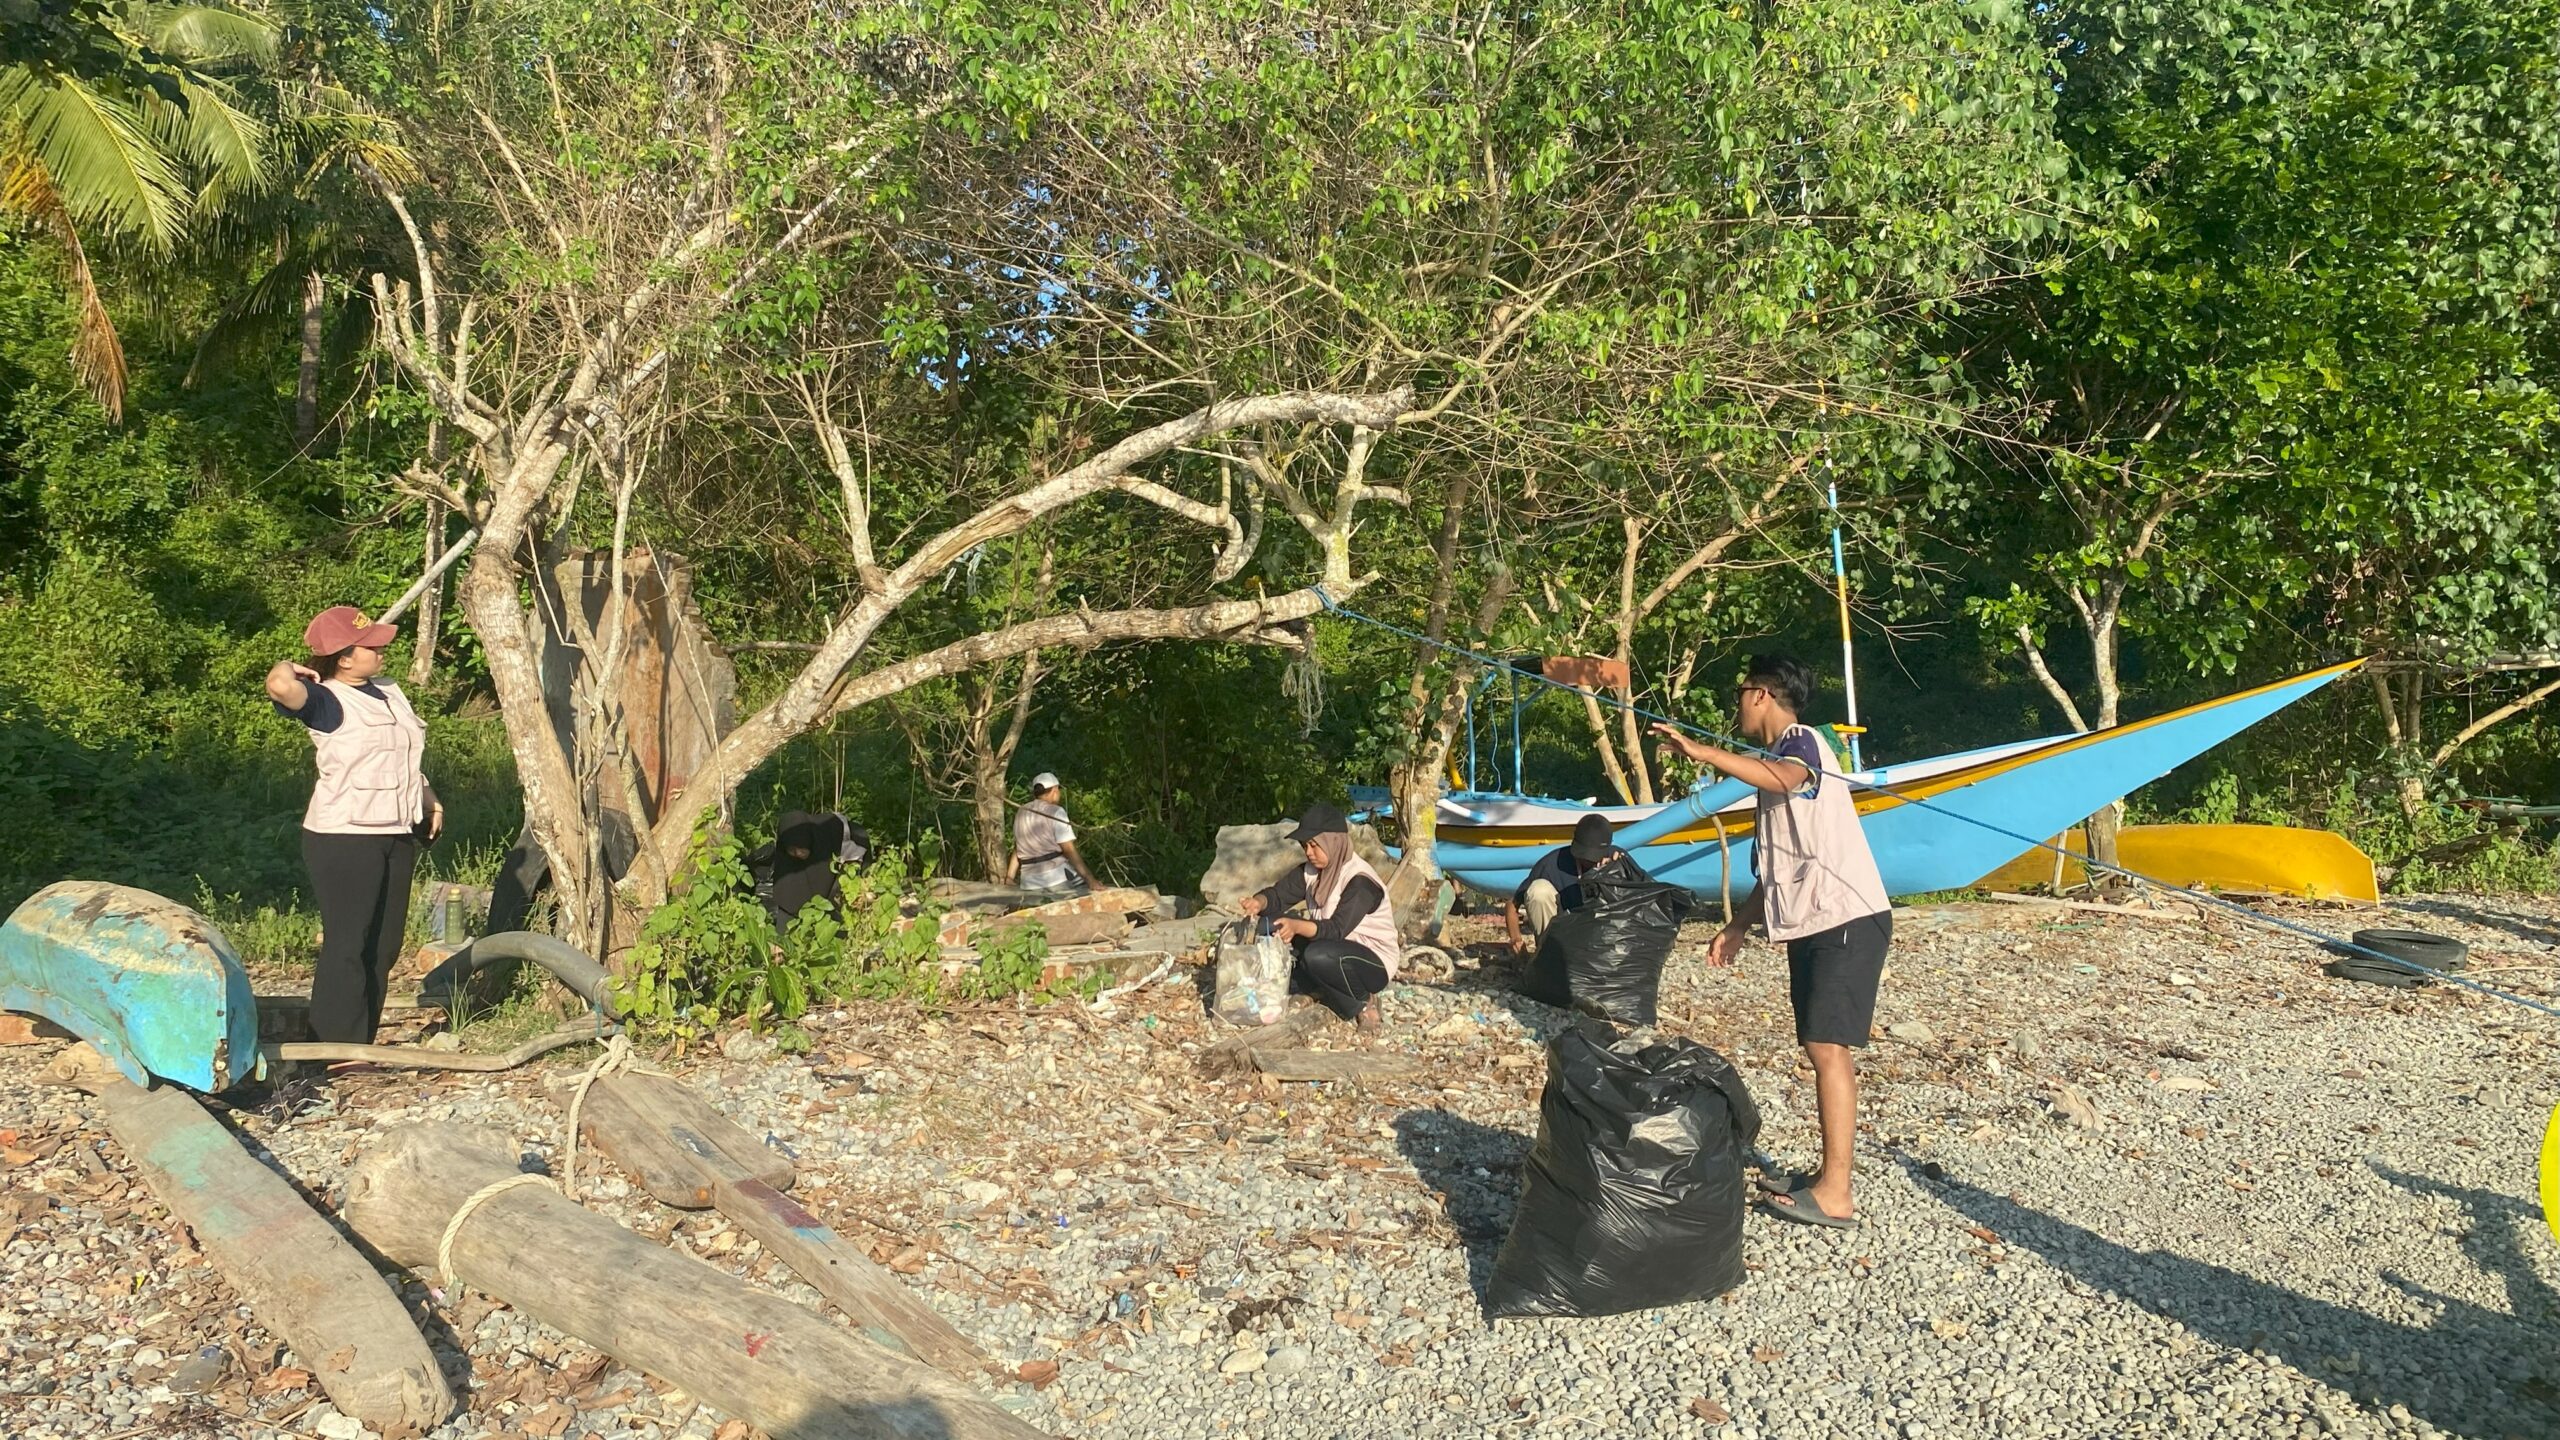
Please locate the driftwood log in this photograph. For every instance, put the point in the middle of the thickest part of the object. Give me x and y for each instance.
(301, 1278)
(1330, 1064)
(687, 1154)
(749, 1353)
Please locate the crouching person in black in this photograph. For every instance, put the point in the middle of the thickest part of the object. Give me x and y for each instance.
(808, 854)
(1346, 941)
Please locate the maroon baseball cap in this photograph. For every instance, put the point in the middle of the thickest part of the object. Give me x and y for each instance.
(340, 626)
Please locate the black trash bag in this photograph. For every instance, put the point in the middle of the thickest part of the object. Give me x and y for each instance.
(1633, 1197)
(1607, 957)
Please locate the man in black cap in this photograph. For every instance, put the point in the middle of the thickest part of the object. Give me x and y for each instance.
(1554, 886)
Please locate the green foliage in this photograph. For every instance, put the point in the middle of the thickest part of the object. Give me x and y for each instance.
(709, 953)
(709, 956)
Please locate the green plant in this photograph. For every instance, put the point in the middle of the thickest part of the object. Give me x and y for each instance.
(2218, 803)
(709, 954)
(264, 935)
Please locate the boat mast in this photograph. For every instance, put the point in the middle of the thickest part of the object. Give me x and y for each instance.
(1848, 654)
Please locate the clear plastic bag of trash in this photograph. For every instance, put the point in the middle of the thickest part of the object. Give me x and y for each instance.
(1253, 974)
(1633, 1197)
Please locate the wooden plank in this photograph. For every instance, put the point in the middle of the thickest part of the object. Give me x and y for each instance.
(301, 1278)
(891, 1314)
(689, 1155)
(744, 1351)
(1073, 928)
(1122, 900)
(635, 1119)
(1331, 1064)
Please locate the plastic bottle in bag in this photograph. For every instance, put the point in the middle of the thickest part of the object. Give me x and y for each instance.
(1253, 974)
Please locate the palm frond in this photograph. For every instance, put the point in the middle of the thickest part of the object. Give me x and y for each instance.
(385, 155)
(207, 34)
(216, 133)
(98, 156)
(254, 312)
(97, 356)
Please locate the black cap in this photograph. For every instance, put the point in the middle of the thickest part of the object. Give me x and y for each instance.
(1593, 839)
(1320, 820)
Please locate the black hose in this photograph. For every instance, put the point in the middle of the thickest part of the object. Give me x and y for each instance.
(567, 964)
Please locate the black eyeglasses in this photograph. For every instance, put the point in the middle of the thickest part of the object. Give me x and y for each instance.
(1747, 691)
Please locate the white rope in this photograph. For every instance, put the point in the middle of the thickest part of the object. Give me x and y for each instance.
(616, 1059)
(479, 1197)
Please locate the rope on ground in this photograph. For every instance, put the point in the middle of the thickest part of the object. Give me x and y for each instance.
(2200, 897)
(478, 1198)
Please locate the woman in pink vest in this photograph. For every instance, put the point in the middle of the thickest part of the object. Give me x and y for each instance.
(368, 812)
(1346, 945)
(1819, 894)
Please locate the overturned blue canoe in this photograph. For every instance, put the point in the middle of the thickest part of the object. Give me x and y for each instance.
(147, 981)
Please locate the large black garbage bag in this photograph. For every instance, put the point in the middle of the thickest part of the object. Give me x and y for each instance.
(1607, 957)
(1633, 1196)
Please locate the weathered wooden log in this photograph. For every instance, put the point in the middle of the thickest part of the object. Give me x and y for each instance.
(687, 1154)
(1233, 1055)
(1330, 1064)
(301, 1278)
(744, 1351)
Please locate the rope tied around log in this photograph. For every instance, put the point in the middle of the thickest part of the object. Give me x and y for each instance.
(478, 1198)
(616, 1059)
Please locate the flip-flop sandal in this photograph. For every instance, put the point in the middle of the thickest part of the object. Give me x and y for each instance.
(1774, 1181)
(1798, 1205)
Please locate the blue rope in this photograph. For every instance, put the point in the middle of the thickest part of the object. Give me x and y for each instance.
(2200, 897)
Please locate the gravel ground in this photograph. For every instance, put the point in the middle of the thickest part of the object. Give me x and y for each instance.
(2305, 1208)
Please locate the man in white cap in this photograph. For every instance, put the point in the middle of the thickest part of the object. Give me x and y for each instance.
(1044, 843)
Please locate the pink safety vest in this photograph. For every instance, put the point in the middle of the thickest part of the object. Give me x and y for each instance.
(370, 781)
(1816, 872)
(1376, 931)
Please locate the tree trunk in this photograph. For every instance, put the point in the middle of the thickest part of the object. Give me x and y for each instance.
(2400, 716)
(1433, 694)
(306, 382)
(2108, 822)
(422, 649)
(554, 803)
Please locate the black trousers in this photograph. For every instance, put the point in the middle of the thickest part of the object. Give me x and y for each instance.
(1340, 973)
(362, 884)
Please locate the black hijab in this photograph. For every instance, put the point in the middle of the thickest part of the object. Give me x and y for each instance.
(801, 878)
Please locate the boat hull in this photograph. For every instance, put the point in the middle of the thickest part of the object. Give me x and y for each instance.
(147, 981)
(2256, 859)
(1945, 823)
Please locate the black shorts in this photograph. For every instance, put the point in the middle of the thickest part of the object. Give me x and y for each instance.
(1832, 979)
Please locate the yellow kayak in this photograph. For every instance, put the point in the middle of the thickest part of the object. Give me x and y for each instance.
(2257, 859)
(2551, 1175)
